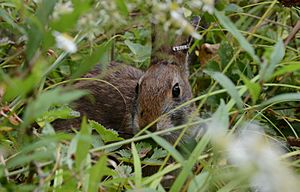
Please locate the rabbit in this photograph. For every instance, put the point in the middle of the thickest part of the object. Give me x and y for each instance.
(128, 99)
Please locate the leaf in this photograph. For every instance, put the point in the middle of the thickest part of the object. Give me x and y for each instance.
(285, 97)
(63, 112)
(83, 144)
(43, 101)
(122, 7)
(159, 153)
(276, 57)
(254, 88)
(142, 52)
(125, 153)
(293, 66)
(227, 24)
(93, 59)
(96, 173)
(35, 33)
(219, 124)
(227, 84)
(166, 145)
(107, 135)
(198, 182)
(143, 149)
(225, 52)
(189, 164)
(44, 10)
(137, 166)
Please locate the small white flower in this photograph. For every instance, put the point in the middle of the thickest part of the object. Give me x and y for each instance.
(209, 6)
(65, 42)
(62, 8)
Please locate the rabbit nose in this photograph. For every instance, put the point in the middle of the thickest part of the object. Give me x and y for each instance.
(153, 128)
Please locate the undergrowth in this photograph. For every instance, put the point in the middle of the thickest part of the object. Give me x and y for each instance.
(246, 90)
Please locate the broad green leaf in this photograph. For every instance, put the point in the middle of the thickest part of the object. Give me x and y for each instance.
(96, 173)
(63, 112)
(137, 166)
(227, 24)
(227, 84)
(167, 146)
(83, 144)
(158, 153)
(107, 135)
(122, 7)
(254, 88)
(277, 55)
(43, 101)
(285, 97)
(142, 52)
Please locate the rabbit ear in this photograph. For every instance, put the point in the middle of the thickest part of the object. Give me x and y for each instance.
(170, 47)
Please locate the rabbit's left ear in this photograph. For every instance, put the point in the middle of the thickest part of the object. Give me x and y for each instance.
(167, 46)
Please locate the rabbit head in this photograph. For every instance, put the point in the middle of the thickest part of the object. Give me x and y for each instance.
(162, 88)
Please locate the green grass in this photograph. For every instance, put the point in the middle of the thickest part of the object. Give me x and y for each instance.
(248, 96)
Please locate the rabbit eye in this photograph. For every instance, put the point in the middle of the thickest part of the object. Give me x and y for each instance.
(176, 90)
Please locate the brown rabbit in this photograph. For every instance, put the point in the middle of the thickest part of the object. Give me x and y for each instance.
(130, 99)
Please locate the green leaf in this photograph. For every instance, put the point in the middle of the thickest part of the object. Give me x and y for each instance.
(276, 57)
(96, 173)
(227, 84)
(107, 135)
(122, 7)
(293, 66)
(19, 87)
(285, 97)
(35, 35)
(93, 59)
(198, 183)
(45, 8)
(142, 52)
(83, 144)
(63, 112)
(6, 17)
(137, 166)
(158, 153)
(227, 24)
(254, 88)
(43, 101)
(166, 145)
(219, 122)
(189, 164)
(143, 149)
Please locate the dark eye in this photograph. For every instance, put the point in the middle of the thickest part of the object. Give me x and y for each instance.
(137, 89)
(176, 90)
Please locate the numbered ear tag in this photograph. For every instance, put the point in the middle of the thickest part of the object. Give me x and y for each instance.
(180, 48)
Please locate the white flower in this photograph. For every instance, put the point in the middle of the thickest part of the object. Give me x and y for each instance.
(208, 6)
(251, 148)
(65, 42)
(62, 8)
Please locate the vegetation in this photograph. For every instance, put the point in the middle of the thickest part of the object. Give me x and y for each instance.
(247, 92)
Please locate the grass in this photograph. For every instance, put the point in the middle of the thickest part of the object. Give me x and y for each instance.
(247, 95)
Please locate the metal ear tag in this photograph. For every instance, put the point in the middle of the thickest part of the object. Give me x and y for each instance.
(180, 48)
